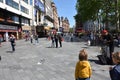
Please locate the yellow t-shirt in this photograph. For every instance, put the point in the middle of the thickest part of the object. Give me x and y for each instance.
(83, 69)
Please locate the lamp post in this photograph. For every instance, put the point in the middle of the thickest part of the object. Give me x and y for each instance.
(117, 15)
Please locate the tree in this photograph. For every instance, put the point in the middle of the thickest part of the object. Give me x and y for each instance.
(89, 10)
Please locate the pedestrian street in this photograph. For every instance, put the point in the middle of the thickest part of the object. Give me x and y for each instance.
(41, 62)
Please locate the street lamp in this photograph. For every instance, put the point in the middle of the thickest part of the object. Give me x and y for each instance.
(117, 15)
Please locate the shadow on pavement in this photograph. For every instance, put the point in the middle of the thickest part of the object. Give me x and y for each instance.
(9, 51)
(49, 47)
(96, 61)
(85, 47)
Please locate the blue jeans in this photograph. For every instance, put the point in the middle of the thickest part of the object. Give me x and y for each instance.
(83, 79)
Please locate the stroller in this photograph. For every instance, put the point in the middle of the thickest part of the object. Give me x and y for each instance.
(105, 55)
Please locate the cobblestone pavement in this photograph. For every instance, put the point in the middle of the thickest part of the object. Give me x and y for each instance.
(41, 62)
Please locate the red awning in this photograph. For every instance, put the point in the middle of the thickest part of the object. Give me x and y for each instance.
(8, 30)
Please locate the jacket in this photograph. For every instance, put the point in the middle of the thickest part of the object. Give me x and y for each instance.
(115, 73)
(83, 70)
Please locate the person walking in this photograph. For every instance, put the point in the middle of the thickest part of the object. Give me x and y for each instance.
(115, 71)
(83, 69)
(36, 38)
(56, 40)
(53, 41)
(31, 38)
(12, 40)
(60, 39)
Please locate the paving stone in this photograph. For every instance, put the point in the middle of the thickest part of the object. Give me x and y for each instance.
(40, 62)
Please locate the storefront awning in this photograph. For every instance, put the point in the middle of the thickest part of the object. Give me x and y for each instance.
(26, 28)
(8, 30)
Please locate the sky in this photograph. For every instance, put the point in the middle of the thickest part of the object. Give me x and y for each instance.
(66, 8)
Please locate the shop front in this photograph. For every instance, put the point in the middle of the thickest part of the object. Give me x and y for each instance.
(6, 30)
(26, 30)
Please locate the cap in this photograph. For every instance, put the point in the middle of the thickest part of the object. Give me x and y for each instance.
(104, 31)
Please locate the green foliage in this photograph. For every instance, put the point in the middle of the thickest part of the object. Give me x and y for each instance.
(71, 30)
(89, 10)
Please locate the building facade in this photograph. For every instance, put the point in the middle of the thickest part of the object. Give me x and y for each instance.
(64, 22)
(38, 11)
(55, 16)
(15, 16)
(46, 20)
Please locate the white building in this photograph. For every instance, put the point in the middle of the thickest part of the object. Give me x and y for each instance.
(15, 16)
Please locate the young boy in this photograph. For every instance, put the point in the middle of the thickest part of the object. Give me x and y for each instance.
(83, 69)
(115, 71)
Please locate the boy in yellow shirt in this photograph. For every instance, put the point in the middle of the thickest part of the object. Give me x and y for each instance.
(83, 69)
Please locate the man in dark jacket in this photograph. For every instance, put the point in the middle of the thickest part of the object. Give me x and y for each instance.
(12, 40)
(56, 40)
(60, 39)
(109, 41)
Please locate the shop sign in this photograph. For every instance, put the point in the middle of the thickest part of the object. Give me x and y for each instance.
(8, 27)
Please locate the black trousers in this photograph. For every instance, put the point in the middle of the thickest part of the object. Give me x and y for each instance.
(60, 42)
(13, 46)
(111, 49)
(56, 42)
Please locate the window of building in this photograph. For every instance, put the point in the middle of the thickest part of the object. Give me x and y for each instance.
(26, 1)
(25, 21)
(1, 1)
(31, 2)
(25, 10)
(35, 14)
(15, 5)
(16, 19)
(9, 2)
(12, 4)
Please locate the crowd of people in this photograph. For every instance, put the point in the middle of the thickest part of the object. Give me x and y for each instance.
(56, 38)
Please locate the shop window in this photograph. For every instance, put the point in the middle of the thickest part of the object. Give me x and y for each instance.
(25, 21)
(2, 16)
(9, 18)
